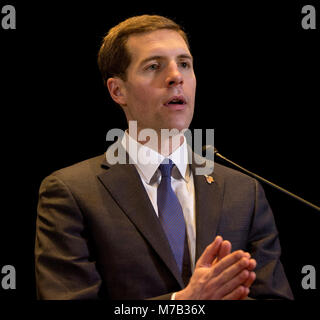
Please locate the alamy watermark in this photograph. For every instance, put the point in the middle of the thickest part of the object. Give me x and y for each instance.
(8, 280)
(309, 280)
(309, 17)
(168, 138)
(8, 17)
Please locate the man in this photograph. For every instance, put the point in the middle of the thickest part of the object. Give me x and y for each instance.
(104, 230)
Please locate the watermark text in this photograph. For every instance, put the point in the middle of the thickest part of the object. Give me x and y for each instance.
(164, 143)
(8, 17)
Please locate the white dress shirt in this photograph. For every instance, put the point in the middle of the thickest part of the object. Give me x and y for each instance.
(147, 161)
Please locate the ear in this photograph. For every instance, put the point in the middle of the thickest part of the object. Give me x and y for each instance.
(117, 90)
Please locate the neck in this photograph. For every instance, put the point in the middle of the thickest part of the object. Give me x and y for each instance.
(164, 142)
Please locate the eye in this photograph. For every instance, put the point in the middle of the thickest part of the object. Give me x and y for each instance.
(185, 64)
(153, 67)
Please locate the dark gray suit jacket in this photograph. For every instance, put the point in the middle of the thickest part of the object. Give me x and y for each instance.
(99, 237)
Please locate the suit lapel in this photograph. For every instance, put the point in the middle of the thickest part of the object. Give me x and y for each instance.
(209, 198)
(124, 184)
(135, 203)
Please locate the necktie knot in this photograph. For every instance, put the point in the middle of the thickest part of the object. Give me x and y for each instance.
(166, 168)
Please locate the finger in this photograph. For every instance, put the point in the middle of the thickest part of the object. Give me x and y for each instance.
(233, 283)
(228, 261)
(237, 294)
(252, 264)
(250, 280)
(239, 267)
(210, 253)
(225, 249)
(245, 295)
(252, 277)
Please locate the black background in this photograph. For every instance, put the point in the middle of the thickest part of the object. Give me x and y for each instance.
(257, 86)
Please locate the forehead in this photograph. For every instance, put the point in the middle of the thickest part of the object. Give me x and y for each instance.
(160, 42)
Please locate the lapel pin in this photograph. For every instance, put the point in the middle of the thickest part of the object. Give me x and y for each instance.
(209, 179)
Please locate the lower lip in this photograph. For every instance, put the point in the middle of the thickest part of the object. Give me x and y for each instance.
(175, 106)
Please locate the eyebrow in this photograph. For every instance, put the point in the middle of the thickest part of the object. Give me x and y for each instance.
(157, 57)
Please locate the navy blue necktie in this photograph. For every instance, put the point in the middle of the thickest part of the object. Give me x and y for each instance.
(171, 214)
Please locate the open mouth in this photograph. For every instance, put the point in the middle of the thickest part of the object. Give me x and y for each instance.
(177, 102)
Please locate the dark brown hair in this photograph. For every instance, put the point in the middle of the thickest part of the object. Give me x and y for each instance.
(113, 56)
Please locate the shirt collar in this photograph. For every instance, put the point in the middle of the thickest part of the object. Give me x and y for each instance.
(148, 160)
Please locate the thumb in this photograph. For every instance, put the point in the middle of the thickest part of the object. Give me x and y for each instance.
(210, 253)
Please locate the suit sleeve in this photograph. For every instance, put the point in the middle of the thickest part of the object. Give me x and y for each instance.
(63, 267)
(264, 245)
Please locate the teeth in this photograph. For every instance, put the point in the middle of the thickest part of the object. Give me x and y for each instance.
(176, 101)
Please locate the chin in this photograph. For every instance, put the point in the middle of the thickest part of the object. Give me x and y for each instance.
(183, 124)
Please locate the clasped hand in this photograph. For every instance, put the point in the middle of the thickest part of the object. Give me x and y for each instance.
(220, 274)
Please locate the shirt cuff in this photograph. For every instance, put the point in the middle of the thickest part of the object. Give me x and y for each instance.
(173, 297)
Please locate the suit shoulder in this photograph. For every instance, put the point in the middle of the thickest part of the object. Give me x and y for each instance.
(81, 170)
(229, 174)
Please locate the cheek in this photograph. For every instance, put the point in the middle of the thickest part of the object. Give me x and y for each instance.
(141, 97)
(193, 84)
(193, 92)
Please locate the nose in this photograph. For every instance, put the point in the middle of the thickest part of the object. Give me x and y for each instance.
(174, 76)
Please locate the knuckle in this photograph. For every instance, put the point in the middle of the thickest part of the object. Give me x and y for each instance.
(244, 274)
(241, 290)
(216, 282)
(243, 262)
(215, 271)
(239, 254)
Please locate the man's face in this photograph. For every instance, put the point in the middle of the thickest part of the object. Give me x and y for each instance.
(160, 88)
